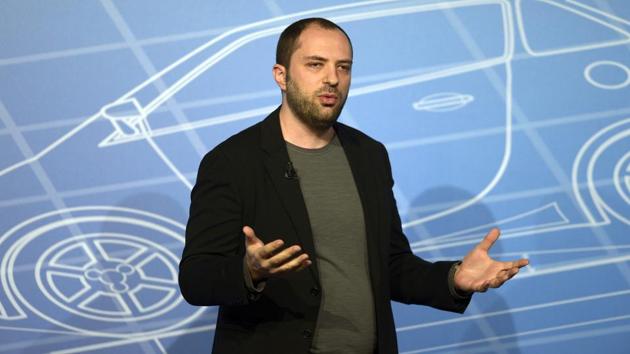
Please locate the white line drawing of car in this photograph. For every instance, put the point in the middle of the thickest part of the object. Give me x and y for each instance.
(131, 119)
(594, 210)
(107, 280)
(129, 115)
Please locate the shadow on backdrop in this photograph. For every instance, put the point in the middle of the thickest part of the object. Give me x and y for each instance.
(440, 198)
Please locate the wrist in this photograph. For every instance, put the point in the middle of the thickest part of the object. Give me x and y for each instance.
(253, 275)
(253, 283)
(256, 278)
(456, 287)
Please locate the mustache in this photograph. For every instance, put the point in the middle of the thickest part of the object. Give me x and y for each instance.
(328, 89)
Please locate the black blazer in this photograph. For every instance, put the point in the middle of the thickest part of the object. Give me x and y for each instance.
(242, 182)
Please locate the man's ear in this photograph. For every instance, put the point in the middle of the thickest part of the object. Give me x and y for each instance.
(280, 75)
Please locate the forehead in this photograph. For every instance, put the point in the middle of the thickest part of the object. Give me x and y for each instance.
(327, 43)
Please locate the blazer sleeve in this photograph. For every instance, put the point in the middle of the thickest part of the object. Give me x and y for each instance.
(211, 268)
(412, 279)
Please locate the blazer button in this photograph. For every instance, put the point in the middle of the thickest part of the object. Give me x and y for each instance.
(307, 333)
(314, 291)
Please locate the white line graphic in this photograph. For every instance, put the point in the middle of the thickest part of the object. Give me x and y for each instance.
(443, 102)
(600, 12)
(39, 227)
(129, 95)
(464, 234)
(592, 203)
(515, 310)
(141, 130)
(624, 70)
(522, 334)
(129, 117)
(622, 183)
(118, 343)
(567, 7)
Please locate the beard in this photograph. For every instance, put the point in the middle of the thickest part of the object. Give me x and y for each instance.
(308, 108)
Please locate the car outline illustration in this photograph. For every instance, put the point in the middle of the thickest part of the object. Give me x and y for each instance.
(130, 117)
(47, 226)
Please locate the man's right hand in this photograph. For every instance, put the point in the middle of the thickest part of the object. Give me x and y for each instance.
(267, 260)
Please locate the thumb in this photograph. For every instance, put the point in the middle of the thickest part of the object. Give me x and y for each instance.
(250, 236)
(490, 239)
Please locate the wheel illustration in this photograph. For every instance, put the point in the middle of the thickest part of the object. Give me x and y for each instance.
(615, 162)
(110, 271)
(604, 166)
(622, 178)
(108, 276)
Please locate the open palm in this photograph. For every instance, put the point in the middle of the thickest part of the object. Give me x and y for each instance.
(478, 271)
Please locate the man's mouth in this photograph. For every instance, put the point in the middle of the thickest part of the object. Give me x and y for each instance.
(328, 99)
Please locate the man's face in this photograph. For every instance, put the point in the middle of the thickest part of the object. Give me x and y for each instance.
(318, 78)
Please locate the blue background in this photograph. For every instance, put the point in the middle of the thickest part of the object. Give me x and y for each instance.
(495, 113)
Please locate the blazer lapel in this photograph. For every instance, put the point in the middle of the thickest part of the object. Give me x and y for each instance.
(288, 189)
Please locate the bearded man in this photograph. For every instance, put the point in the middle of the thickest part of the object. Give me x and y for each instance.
(294, 230)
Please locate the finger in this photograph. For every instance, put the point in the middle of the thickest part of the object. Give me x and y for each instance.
(304, 265)
(503, 277)
(512, 273)
(270, 249)
(495, 283)
(294, 264)
(484, 287)
(282, 257)
(508, 266)
(515, 264)
(489, 240)
(250, 236)
(520, 263)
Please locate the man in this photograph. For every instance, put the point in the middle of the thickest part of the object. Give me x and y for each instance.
(294, 230)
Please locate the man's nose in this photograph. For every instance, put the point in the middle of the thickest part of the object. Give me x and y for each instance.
(332, 77)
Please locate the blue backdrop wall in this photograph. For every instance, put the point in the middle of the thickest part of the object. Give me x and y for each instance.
(506, 113)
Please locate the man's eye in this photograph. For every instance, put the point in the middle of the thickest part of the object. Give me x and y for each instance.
(344, 67)
(315, 65)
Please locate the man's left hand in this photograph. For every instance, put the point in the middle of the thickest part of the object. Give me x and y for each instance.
(478, 271)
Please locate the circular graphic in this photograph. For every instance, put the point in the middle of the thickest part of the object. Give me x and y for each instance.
(622, 178)
(604, 165)
(109, 277)
(443, 102)
(99, 270)
(598, 74)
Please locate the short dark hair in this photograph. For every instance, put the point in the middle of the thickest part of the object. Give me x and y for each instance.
(288, 42)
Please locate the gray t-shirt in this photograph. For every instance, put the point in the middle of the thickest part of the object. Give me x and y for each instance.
(346, 321)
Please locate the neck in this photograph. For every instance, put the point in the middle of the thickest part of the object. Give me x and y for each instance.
(297, 133)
